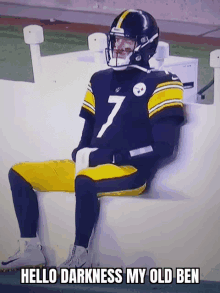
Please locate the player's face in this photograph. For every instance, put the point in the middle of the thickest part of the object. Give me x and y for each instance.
(123, 47)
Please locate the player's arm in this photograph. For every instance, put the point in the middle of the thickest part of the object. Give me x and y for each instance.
(88, 114)
(165, 109)
(165, 133)
(85, 138)
(97, 156)
(83, 155)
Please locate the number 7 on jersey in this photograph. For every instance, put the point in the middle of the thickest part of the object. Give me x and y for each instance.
(118, 102)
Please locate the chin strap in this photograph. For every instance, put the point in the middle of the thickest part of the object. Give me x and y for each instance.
(119, 68)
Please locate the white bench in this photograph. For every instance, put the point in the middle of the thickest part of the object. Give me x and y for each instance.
(175, 224)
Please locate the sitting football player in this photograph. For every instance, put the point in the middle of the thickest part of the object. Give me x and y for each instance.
(133, 115)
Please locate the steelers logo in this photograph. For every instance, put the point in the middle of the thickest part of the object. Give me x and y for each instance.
(139, 89)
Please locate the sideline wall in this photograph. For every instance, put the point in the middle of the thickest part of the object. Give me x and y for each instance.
(194, 11)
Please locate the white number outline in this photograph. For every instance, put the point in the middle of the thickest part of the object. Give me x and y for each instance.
(118, 100)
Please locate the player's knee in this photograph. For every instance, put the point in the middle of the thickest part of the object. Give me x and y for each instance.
(84, 185)
(11, 175)
(13, 168)
(16, 180)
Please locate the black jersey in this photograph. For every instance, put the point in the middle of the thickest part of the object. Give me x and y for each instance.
(125, 105)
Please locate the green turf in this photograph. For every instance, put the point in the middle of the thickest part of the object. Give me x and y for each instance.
(15, 60)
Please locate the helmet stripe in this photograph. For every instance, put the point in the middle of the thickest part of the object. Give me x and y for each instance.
(123, 17)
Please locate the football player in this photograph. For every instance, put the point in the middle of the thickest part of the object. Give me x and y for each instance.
(133, 116)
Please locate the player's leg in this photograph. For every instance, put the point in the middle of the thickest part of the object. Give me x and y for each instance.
(90, 184)
(25, 179)
(102, 180)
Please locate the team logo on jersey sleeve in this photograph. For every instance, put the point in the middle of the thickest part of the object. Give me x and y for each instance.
(139, 89)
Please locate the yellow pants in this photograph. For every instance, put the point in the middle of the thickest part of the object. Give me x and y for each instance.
(59, 175)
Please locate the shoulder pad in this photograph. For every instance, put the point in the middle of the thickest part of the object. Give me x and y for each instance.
(100, 73)
(165, 76)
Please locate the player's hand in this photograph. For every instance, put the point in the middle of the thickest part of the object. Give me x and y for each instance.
(82, 159)
(100, 157)
(109, 156)
(121, 158)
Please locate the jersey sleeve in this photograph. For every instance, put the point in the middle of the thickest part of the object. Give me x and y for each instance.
(167, 100)
(88, 107)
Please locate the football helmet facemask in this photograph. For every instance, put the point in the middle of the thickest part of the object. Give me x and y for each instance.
(132, 39)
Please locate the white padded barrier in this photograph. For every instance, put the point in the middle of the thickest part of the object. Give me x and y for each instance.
(34, 36)
(167, 227)
(176, 224)
(97, 43)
